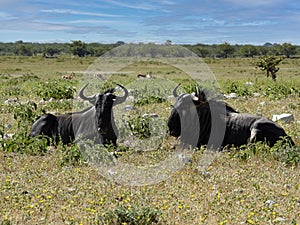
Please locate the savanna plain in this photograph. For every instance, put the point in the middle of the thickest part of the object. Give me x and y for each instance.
(41, 184)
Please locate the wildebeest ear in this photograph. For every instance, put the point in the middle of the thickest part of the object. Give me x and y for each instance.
(199, 97)
(109, 91)
(202, 96)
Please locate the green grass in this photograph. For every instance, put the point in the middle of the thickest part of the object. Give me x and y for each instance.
(47, 185)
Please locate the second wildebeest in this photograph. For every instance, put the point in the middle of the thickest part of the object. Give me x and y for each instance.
(199, 121)
(94, 123)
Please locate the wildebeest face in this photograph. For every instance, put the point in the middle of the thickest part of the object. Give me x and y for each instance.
(104, 116)
(174, 123)
(181, 114)
(184, 118)
(103, 106)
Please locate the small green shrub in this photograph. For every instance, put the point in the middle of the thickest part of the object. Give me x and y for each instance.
(284, 152)
(148, 94)
(149, 100)
(21, 143)
(279, 90)
(248, 151)
(55, 89)
(272, 90)
(281, 151)
(62, 105)
(24, 114)
(140, 126)
(22, 79)
(237, 87)
(132, 215)
(86, 152)
(70, 155)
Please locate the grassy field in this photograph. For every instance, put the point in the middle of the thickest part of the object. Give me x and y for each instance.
(54, 185)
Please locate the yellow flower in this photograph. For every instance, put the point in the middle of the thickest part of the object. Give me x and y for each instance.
(250, 221)
(250, 214)
(164, 207)
(223, 222)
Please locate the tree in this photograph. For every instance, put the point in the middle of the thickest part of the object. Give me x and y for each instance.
(78, 48)
(248, 50)
(24, 49)
(51, 51)
(288, 49)
(226, 49)
(269, 64)
(200, 51)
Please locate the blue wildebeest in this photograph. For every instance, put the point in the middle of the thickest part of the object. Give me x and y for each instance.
(199, 121)
(94, 123)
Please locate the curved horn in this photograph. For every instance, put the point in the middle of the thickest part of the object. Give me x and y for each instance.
(91, 99)
(122, 99)
(195, 98)
(197, 90)
(175, 91)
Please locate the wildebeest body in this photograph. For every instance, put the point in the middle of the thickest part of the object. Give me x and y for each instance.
(242, 128)
(201, 122)
(94, 123)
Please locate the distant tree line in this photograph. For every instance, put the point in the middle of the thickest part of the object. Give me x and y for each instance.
(82, 49)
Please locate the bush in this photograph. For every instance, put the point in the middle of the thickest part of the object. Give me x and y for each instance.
(238, 88)
(132, 215)
(21, 143)
(70, 155)
(24, 115)
(284, 152)
(55, 89)
(140, 126)
(149, 100)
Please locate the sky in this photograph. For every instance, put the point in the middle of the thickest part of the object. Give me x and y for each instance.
(182, 22)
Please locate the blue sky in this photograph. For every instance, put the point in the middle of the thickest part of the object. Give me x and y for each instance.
(104, 21)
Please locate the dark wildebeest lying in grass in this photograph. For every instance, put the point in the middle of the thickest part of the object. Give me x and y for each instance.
(199, 121)
(94, 123)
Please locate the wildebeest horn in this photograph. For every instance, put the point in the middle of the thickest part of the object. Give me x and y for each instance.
(175, 91)
(195, 98)
(197, 90)
(91, 99)
(197, 94)
(122, 99)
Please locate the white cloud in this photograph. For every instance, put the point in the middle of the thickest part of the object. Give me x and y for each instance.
(75, 12)
(142, 6)
(6, 16)
(254, 3)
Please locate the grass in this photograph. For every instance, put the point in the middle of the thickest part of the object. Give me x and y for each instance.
(255, 185)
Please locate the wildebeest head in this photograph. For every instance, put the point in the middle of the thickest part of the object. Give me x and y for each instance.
(103, 106)
(46, 125)
(185, 117)
(184, 105)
